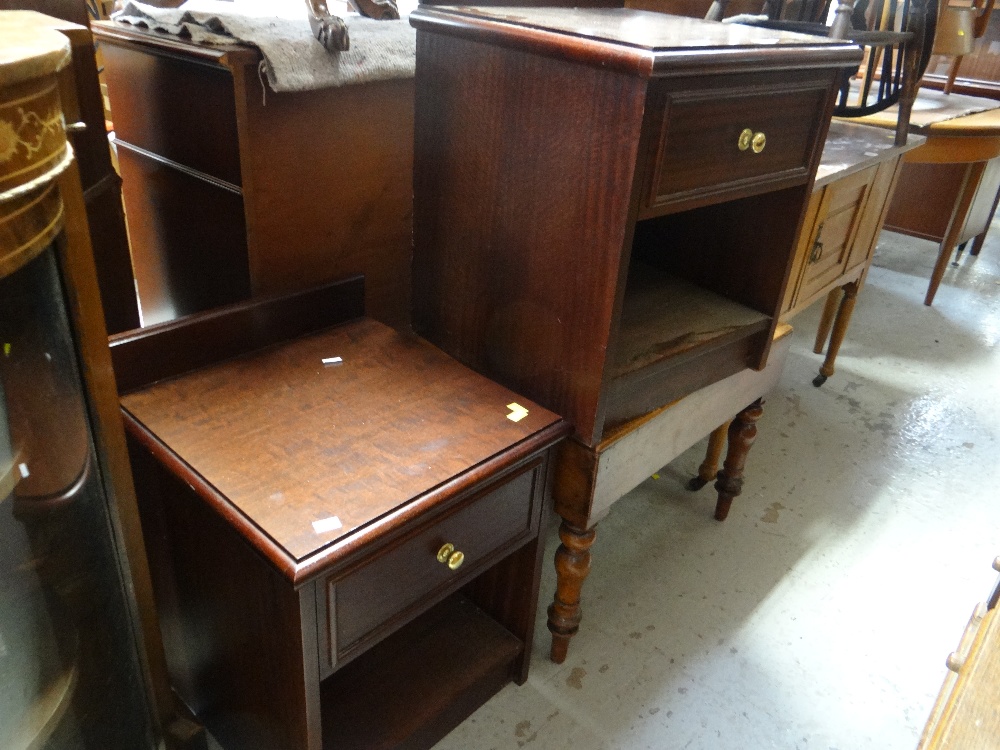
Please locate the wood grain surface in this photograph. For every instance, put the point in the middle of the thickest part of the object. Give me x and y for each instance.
(636, 41)
(305, 187)
(290, 441)
(521, 221)
(971, 716)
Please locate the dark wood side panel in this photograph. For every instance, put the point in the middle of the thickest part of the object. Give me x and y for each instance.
(231, 624)
(328, 188)
(106, 218)
(516, 309)
(162, 351)
(911, 213)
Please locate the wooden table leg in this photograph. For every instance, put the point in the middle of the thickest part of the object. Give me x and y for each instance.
(972, 178)
(709, 468)
(826, 320)
(572, 568)
(839, 332)
(742, 433)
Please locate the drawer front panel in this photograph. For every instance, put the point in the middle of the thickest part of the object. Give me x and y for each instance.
(179, 110)
(716, 144)
(372, 600)
(836, 232)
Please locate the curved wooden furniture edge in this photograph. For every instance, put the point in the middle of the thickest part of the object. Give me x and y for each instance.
(301, 572)
(113, 32)
(618, 55)
(969, 138)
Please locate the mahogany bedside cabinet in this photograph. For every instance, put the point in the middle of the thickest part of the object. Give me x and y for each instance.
(606, 207)
(343, 522)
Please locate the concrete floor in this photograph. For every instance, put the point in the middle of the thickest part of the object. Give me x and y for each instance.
(820, 613)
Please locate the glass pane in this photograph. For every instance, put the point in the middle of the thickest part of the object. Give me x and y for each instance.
(69, 671)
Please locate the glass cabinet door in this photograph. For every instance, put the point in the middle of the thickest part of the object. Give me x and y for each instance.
(70, 674)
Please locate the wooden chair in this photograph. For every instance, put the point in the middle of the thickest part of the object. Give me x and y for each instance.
(958, 26)
(896, 35)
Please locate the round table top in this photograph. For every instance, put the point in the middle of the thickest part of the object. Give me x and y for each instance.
(956, 140)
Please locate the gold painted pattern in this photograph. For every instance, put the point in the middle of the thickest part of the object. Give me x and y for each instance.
(32, 134)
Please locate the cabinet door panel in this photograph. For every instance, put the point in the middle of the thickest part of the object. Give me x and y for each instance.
(837, 229)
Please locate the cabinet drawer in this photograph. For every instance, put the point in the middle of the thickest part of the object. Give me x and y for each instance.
(383, 592)
(177, 110)
(720, 143)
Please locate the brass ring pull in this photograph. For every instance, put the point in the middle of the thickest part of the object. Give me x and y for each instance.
(746, 137)
(759, 141)
(817, 249)
(450, 556)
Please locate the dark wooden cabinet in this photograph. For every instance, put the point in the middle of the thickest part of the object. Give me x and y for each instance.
(345, 555)
(233, 191)
(606, 209)
(592, 226)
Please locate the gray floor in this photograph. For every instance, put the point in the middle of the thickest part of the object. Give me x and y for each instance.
(820, 614)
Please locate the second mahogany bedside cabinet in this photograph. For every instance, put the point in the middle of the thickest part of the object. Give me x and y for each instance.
(606, 207)
(343, 522)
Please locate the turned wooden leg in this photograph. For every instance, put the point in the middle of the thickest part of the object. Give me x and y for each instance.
(839, 332)
(742, 432)
(709, 468)
(572, 567)
(826, 320)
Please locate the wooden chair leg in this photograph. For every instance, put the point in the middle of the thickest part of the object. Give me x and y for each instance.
(709, 468)
(826, 320)
(572, 568)
(839, 332)
(742, 433)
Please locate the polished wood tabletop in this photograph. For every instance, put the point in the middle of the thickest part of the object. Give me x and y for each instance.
(294, 443)
(648, 43)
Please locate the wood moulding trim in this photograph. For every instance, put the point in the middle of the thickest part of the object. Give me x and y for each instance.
(114, 33)
(189, 171)
(623, 57)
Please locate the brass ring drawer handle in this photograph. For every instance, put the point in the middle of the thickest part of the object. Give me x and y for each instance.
(450, 556)
(751, 140)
